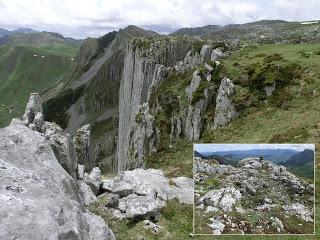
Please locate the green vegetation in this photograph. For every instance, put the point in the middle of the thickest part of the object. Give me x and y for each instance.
(172, 96)
(176, 222)
(55, 109)
(100, 128)
(175, 161)
(26, 69)
(272, 58)
(141, 43)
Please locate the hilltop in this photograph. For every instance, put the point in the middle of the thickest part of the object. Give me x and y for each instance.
(253, 197)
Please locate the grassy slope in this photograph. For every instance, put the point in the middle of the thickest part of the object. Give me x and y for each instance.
(22, 73)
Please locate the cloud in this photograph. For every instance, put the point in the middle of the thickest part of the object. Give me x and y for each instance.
(82, 18)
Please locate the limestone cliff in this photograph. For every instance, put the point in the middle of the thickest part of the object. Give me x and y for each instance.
(145, 66)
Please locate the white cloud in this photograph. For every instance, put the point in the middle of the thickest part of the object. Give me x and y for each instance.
(81, 18)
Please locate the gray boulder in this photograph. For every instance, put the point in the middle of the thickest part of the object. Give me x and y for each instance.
(143, 193)
(86, 193)
(97, 228)
(299, 210)
(144, 182)
(216, 54)
(38, 199)
(133, 206)
(94, 180)
(224, 198)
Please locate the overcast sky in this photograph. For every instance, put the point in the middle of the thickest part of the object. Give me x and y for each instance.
(83, 18)
(235, 147)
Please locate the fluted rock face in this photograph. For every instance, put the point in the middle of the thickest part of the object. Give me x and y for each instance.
(141, 76)
(194, 121)
(143, 138)
(38, 198)
(225, 110)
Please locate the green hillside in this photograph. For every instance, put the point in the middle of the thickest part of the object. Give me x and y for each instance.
(25, 69)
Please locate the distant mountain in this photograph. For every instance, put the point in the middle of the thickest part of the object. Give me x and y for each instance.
(274, 155)
(300, 158)
(39, 39)
(264, 31)
(197, 30)
(197, 154)
(301, 163)
(5, 32)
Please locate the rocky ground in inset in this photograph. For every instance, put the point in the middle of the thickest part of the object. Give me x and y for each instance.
(254, 197)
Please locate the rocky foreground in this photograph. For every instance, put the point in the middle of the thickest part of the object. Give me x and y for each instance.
(252, 198)
(45, 192)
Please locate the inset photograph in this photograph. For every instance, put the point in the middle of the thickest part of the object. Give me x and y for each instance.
(254, 189)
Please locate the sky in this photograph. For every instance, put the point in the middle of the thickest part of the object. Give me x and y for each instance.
(234, 147)
(83, 18)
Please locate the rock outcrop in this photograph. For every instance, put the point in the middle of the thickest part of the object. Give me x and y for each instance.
(81, 142)
(234, 195)
(38, 198)
(33, 115)
(225, 109)
(143, 193)
(59, 140)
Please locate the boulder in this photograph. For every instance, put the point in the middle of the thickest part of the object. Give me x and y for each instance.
(277, 224)
(152, 226)
(97, 228)
(299, 210)
(86, 193)
(134, 206)
(224, 198)
(94, 180)
(38, 198)
(216, 54)
(144, 182)
(216, 226)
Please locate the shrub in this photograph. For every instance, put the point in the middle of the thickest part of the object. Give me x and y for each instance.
(196, 47)
(260, 55)
(273, 57)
